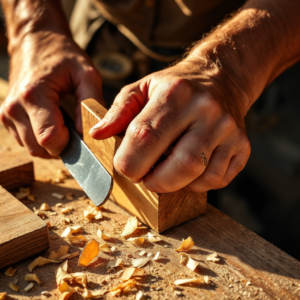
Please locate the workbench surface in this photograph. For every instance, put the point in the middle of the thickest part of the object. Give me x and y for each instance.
(250, 267)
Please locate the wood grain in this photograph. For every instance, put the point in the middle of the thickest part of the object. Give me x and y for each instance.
(159, 211)
(23, 233)
(15, 171)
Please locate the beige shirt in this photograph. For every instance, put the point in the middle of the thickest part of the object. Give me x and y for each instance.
(152, 23)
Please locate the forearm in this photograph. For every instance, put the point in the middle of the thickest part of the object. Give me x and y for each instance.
(251, 49)
(31, 16)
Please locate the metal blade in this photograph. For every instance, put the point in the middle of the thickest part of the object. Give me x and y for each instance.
(86, 168)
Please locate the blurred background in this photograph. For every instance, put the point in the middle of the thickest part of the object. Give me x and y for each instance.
(265, 196)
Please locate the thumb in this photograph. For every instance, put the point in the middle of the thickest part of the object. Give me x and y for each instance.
(87, 85)
(127, 105)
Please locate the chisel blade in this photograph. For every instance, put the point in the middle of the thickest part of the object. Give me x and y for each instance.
(86, 168)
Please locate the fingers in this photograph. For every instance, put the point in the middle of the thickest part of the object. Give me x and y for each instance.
(88, 84)
(128, 103)
(185, 163)
(222, 168)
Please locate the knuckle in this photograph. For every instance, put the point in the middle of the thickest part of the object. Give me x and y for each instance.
(11, 108)
(47, 137)
(225, 183)
(228, 123)
(124, 168)
(190, 163)
(144, 134)
(214, 178)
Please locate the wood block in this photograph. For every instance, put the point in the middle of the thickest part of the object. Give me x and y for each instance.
(159, 211)
(23, 233)
(15, 171)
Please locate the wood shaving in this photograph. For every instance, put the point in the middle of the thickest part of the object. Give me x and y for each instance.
(14, 287)
(156, 257)
(113, 249)
(78, 240)
(206, 279)
(62, 274)
(69, 255)
(70, 196)
(80, 278)
(138, 241)
(21, 195)
(65, 288)
(115, 263)
(92, 294)
(70, 230)
(32, 277)
(58, 204)
(132, 272)
(92, 213)
(66, 220)
(104, 248)
(140, 296)
(130, 227)
(52, 214)
(125, 286)
(190, 263)
(190, 281)
(66, 210)
(213, 257)
(58, 196)
(49, 225)
(65, 295)
(29, 287)
(3, 296)
(153, 238)
(10, 271)
(149, 254)
(45, 207)
(31, 197)
(186, 245)
(139, 262)
(40, 261)
(63, 250)
(102, 235)
(90, 251)
(40, 213)
(142, 253)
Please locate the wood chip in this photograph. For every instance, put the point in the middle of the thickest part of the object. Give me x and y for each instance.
(80, 278)
(66, 210)
(21, 195)
(78, 240)
(10, 271)
(206, 279)
(142, 253)
(138, 241)
(70, 196)
(186, 245)
(40, 213)
(61, 274)
(32, 277)
(66, 220)
(29, 287)
(128, 285)
(105, 248)
(153, 238)
(140, 296)
(52, 214)
(130, 227)
(3, 296)
(115, 263)
(156, 257)
(213, 257)
(58, 196)
(31, 197)
(139, 262)
(69, 255)
(190, 281)
(92, 294)
(63, 250)
(113, 249)
(45, 207)
(132, 272)
(90, 251)
(14, 287)
(70, 230)
(40, 261)
(58, 204)
(190, 263)
(102, 235)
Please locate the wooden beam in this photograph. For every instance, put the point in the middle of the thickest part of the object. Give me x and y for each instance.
(159, 211)
(23, 233)
(15, 171)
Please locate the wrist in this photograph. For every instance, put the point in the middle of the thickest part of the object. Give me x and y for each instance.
(38, 18)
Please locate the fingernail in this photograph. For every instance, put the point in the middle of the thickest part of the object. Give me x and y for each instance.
(99, 125)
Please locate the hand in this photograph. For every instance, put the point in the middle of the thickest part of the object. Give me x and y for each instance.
(187, 111)
(45, 67)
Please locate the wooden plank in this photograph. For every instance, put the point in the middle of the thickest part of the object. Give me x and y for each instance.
(23, 233)
(15, 171)
(159, 211)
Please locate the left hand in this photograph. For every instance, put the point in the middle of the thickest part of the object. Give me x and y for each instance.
(187, 111)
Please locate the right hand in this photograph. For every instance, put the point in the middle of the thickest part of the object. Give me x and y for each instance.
(43, 68)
